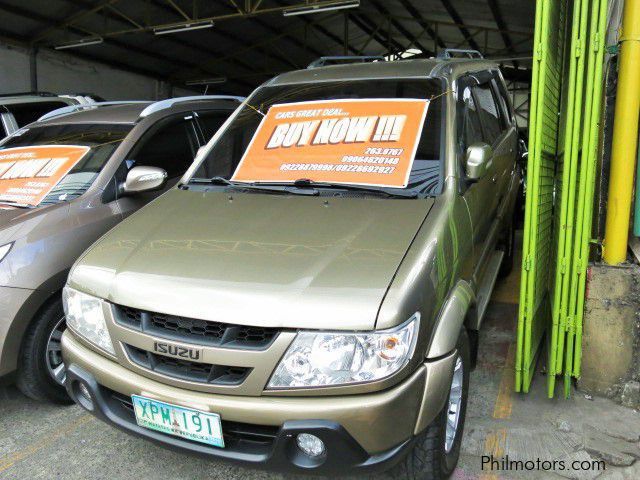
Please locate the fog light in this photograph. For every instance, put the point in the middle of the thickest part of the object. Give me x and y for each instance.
(84, 396)
(310, 444)
(84, 391)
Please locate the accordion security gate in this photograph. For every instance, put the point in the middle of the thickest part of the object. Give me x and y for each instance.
(563, 141)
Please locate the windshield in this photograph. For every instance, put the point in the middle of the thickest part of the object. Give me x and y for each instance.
(424, 175)
(95, 142)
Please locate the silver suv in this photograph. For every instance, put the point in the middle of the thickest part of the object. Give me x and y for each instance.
(20, 109)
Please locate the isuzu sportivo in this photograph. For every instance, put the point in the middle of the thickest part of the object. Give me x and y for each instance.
(308, 297)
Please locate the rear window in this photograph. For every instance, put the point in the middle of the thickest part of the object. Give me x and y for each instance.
(102, 141)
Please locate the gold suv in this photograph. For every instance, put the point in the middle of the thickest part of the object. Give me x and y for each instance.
(307, 297)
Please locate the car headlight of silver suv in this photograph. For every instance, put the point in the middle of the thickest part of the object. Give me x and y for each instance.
(322, 359)
(85, 317)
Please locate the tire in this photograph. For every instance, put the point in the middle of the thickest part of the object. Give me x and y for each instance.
(40, 355)
(508, 246)
(432, 458)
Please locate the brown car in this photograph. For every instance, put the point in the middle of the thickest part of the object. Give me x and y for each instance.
(129, 153)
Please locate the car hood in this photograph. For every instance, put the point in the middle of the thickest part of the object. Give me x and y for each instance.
(255, 259)
(18, 222)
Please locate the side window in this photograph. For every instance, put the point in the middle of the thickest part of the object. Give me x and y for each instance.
(172, 147)
(488, 110)
(469, 131)
(210, 121)
(503, 101)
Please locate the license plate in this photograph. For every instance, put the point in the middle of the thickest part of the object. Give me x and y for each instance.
(179, 421)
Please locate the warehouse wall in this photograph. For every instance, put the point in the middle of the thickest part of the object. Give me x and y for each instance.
(59, 72)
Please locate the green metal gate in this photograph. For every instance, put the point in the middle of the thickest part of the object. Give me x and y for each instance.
(563, 140)
(537, 259)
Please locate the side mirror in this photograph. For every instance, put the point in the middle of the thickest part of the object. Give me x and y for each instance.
(144, 179)
(479, 159)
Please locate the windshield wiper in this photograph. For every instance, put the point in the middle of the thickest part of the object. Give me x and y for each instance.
(308, 183)
(253, 186)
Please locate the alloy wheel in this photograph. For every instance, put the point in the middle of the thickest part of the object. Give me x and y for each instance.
(53, 359)
(453, 405)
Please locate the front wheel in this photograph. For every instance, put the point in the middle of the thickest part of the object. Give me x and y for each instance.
(41, 372)
(436, 450)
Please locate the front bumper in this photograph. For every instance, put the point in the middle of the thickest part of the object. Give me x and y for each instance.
(363, 433)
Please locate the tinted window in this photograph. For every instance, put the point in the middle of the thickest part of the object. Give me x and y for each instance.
(210, 121)
(30, 112)
(488, 111)
(469, 130)
(103, 140)
(171, 146)
(426, 175)
(502, 96)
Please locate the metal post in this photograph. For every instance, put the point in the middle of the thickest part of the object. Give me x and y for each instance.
(345, 34)
(625, 138)
(33, 69)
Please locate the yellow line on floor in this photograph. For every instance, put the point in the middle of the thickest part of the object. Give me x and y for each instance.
(494, 444)
(496, 440)
(10, 460)
(504, 401)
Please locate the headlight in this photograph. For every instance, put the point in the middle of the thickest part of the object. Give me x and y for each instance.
(4, 249)
(320, 359)
(85, 317)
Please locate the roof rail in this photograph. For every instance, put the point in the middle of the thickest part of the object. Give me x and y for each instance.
(459, 53)
(169, 102)
(82, 106)
(323, 61)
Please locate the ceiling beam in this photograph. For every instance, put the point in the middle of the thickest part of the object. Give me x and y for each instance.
(413, 11)
(176, 41)
(455, 16)
(368, 27)
(401, 28)
(319, 28)
(502, 25)
(65, 22)
(286, 35)
(282, 59)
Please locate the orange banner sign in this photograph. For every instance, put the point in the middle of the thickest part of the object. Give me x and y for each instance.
(28, 174)
(359, 141)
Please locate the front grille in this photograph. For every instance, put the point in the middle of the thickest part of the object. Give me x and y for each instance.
(186, 369)
(245, 436)
(192, 330)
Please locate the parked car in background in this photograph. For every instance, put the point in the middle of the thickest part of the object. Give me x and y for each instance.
(64, 181)
(20, 109)
(308, 298)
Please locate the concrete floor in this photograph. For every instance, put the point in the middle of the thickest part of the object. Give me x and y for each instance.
(39, 441)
